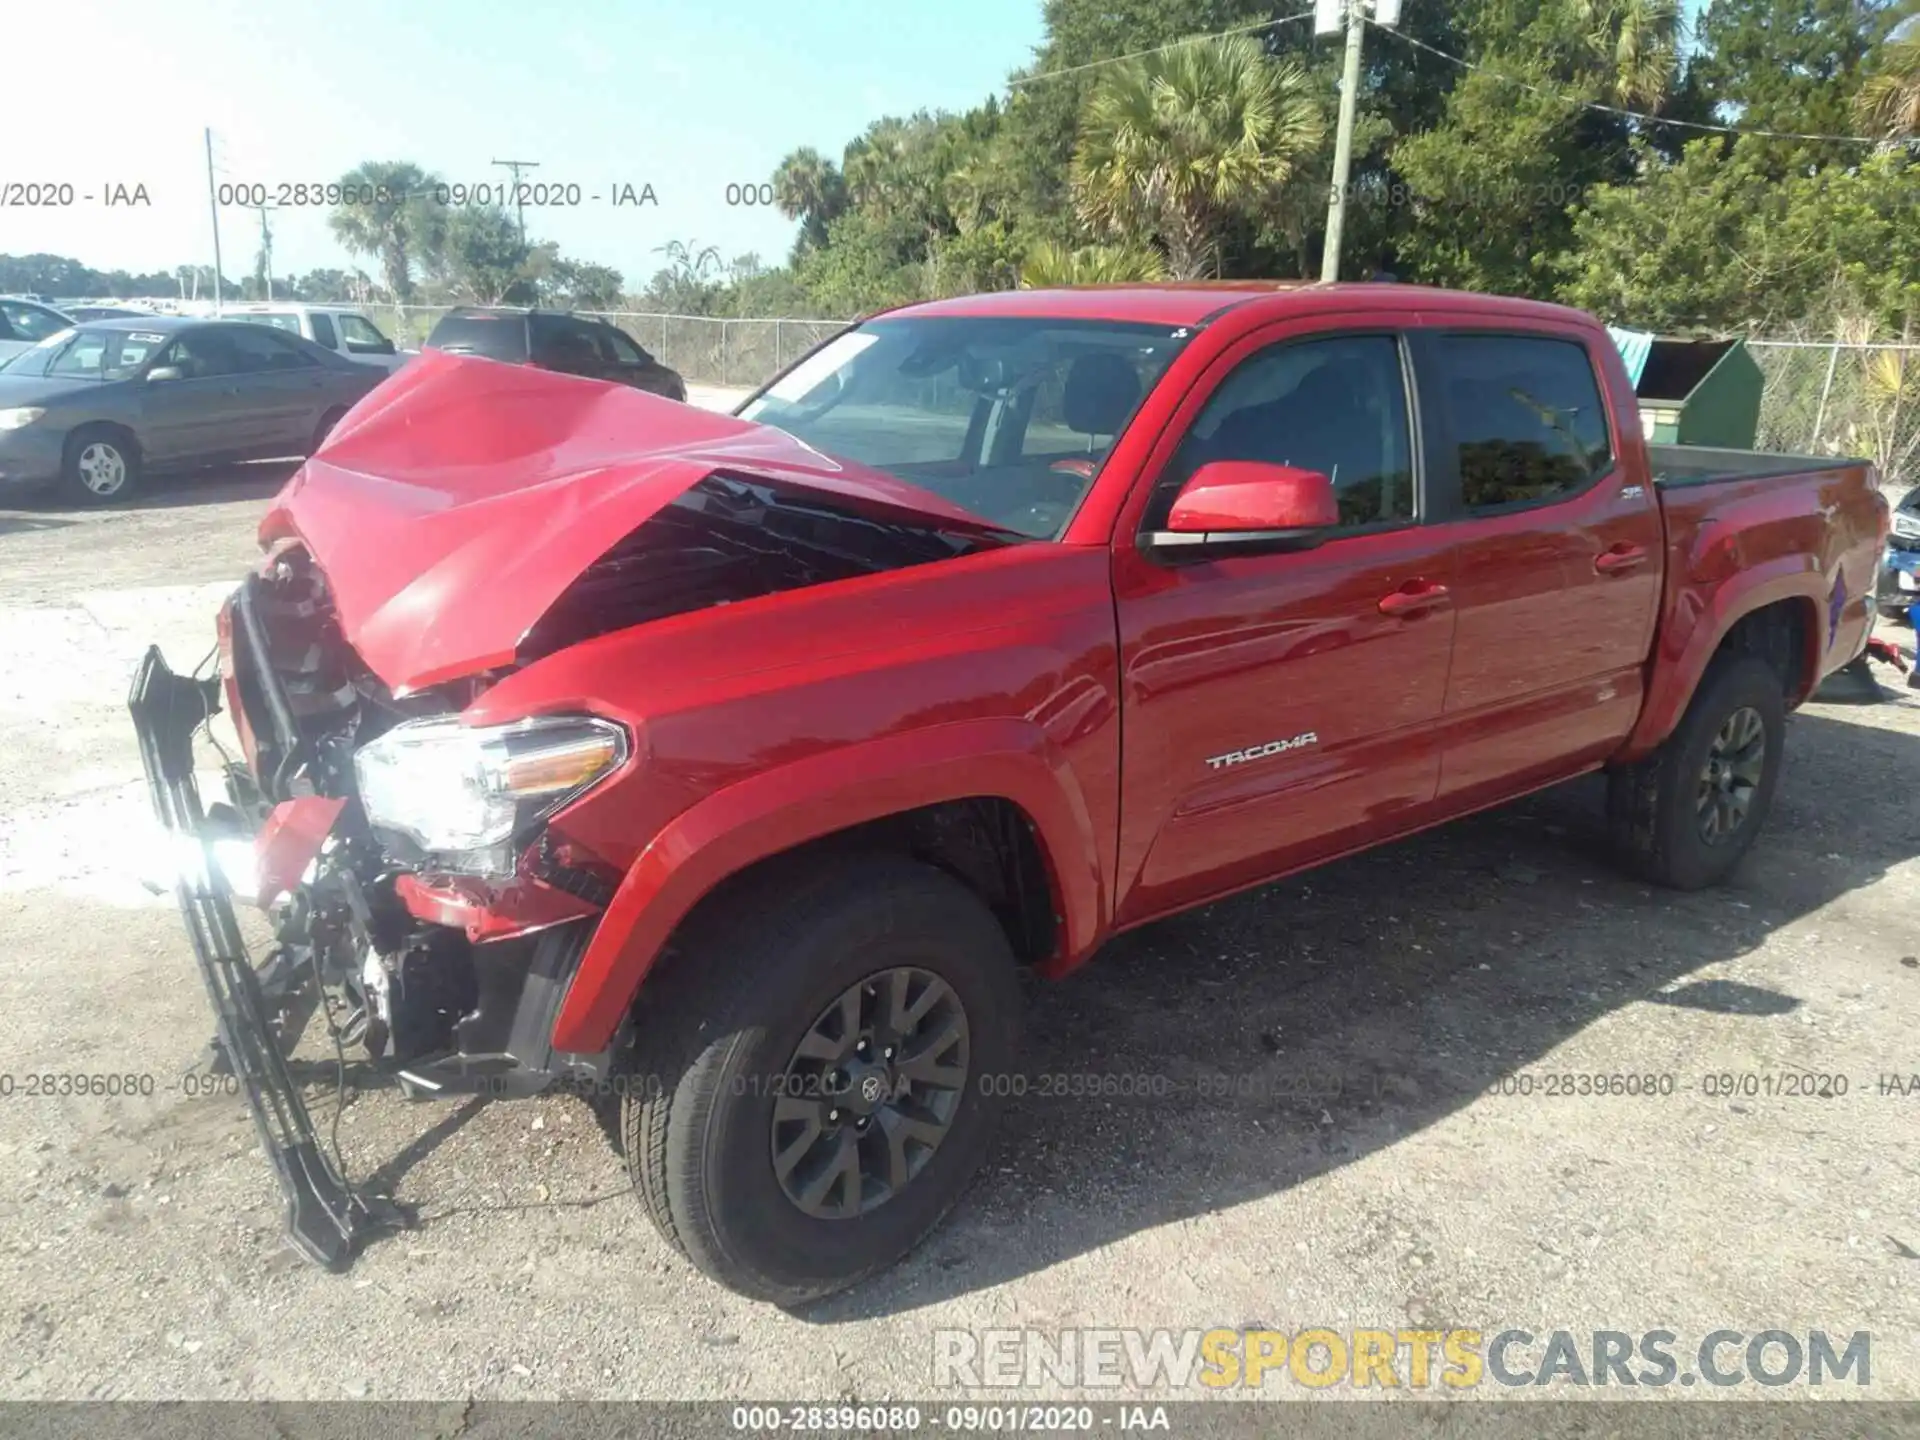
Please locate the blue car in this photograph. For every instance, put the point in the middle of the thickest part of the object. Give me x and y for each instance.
(1899, 588)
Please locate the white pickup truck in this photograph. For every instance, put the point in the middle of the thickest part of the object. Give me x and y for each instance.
(343, 329)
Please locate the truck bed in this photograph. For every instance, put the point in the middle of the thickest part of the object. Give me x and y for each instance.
(1680, 465)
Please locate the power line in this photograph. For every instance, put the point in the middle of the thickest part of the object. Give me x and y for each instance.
(1160, 49)
(1616, 110)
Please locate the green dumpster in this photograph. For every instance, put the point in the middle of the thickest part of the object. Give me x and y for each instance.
(1700, 392)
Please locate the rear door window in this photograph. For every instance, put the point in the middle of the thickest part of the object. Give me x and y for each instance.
(566, 343)
(203, 354)
(258, 351)
(323, 330)
(621, 350)
(1528, 418)
(497, 337)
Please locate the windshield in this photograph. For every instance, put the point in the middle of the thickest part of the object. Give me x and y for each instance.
(1009, 418)
(87, 355)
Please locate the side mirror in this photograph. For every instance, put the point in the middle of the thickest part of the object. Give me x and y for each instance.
(164, 372)
(1241, 507)
(370, 347)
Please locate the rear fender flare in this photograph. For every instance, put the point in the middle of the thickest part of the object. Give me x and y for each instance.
(782, 808)
(1701, 618)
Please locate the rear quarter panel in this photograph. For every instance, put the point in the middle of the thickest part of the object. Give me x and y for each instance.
(1737, 545)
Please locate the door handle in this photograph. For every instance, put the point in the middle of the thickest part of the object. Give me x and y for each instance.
(1416, 597)
(1619, 559)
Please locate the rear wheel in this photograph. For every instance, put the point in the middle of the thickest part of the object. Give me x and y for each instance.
(325, 428)
(1686, 814)
(814, 1078)
(100, 466)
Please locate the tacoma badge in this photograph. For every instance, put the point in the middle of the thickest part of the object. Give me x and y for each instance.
(1261, 752)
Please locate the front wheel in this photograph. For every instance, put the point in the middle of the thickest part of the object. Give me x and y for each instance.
(1686, 814)
(100, 466)
(819, 1073)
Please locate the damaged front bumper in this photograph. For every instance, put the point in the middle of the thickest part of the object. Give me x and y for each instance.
(327, 1219)
(451, 988)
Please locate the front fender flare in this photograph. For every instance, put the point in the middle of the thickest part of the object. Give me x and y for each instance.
(779, 809)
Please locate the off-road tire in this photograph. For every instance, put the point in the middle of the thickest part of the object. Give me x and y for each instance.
(1652, 806)
(714, 1031)
(83, 451)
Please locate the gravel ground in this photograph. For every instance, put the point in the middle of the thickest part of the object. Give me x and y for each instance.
(141, 1236)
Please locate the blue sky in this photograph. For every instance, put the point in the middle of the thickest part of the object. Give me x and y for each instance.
(686, 97)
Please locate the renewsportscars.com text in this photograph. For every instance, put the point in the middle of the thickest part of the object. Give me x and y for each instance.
(1318, 1358)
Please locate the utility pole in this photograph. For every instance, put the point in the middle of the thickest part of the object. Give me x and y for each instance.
(266, 251)
(519, 209)
(1326, 20)
(1343, 140)
(213, 206)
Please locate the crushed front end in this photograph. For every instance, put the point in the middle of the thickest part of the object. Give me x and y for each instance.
(418, 901)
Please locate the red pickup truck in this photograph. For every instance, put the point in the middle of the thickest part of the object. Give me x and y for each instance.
(735, 765)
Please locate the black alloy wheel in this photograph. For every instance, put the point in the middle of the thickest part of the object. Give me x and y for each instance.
(869, 1093)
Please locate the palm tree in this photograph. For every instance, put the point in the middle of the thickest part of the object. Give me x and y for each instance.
(1638, 41)
(809, 188)
(1889, 102)
(1174, 145)
(399, 227)
(1048, 264)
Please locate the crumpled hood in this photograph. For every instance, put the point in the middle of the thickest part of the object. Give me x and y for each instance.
(457, 502)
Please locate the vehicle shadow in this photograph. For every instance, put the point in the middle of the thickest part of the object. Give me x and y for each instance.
(218, 485)
(14, 522)
(252, 480)
(1235, 1052)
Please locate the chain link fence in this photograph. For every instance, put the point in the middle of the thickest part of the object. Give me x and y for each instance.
(1833, 398)
(705, 350)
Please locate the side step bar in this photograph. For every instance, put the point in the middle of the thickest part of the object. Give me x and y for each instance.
(327, 1219)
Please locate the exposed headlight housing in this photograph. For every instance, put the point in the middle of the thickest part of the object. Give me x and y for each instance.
(20, 415)
(465, 793)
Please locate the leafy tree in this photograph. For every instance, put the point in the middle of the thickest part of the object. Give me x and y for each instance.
(325, 286)
(776, 293)
(1718, 242)
(481, 259)
(580, 285)
(1048, 264)
(1793, 66)
(400, 228)
(1174, 145)
(809, 188)
(1856, 226)
(1488, 190)
(1888, 103)
(1638, 43)
(865, 265)
(691, 281)
(984, 257)
(1693, 244)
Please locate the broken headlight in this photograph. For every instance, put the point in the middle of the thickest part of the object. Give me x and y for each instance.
(463, 793)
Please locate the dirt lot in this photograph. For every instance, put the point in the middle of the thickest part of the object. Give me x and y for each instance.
(141, 1236)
